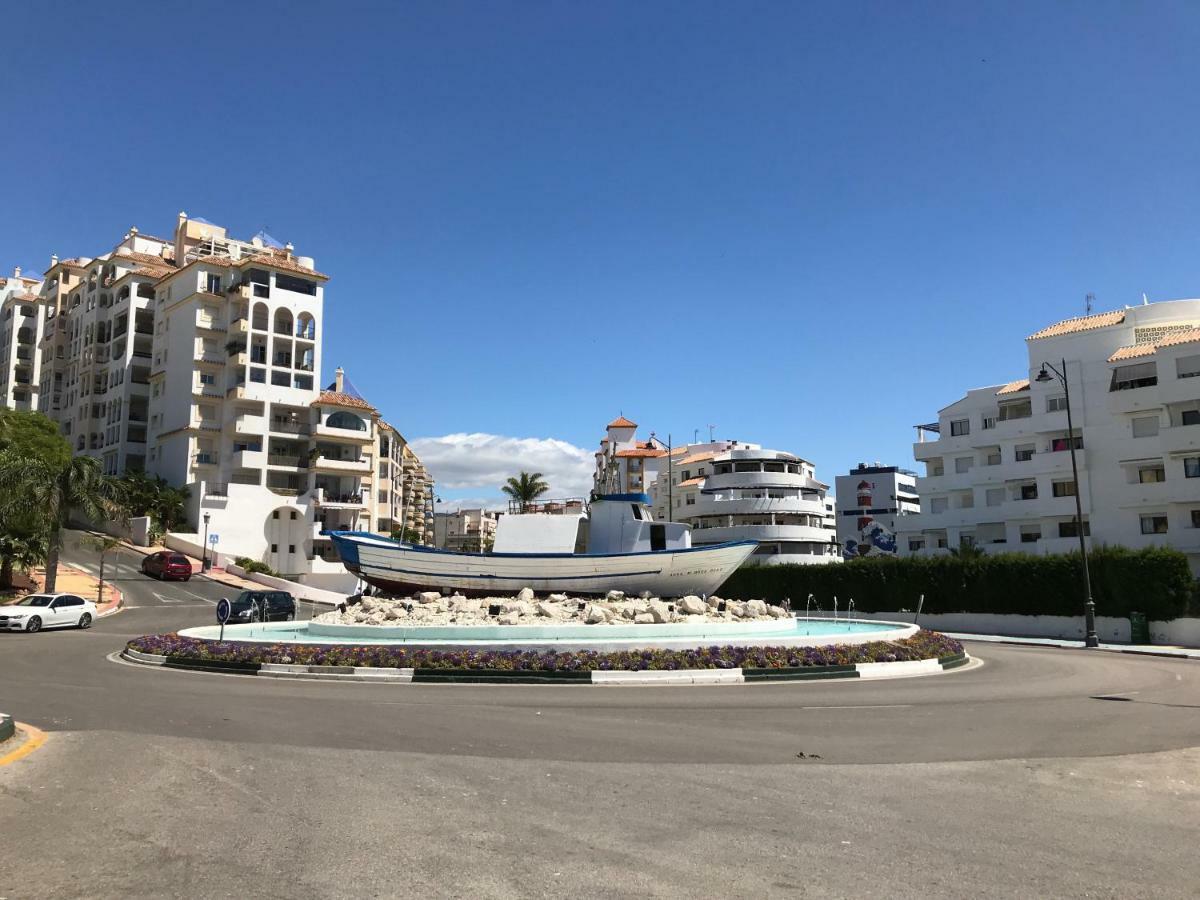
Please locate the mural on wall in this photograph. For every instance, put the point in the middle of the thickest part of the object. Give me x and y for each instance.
(873, 538)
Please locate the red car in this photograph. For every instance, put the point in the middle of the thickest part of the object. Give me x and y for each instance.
(167, 565)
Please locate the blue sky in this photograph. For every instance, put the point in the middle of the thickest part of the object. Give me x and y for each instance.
(810, 225)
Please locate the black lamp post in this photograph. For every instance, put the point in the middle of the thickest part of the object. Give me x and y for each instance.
(1091, 639)
(204, 549)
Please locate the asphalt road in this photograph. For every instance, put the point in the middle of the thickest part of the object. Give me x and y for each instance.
(1011, 779)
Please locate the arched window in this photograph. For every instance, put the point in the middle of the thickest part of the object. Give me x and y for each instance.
(306, 327)
(283, 321)
(262, 317)
(346, 420)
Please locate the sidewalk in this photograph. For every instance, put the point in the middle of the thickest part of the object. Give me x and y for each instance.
(1141, 649)
(75, 581)
(218, 575)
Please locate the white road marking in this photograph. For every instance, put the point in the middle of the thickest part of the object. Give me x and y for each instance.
(865, 706)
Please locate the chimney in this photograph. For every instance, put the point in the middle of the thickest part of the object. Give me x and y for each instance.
(289, 248)
(16, 271)
(339, 376)
(133, 229)
(182, 217)
(53, 260)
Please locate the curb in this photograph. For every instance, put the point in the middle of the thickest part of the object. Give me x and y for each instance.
(7, 727)
(1064, 644)
(647, 677)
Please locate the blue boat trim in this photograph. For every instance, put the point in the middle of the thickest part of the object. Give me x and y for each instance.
(370, 568)
(627, 498)
(382, 542)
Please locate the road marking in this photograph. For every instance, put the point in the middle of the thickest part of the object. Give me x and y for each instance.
(865, 706)
(34, 738)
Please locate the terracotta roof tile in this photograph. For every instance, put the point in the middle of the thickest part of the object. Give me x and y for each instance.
(641, 453)
(1080, 323)
(1133, 352)
(153, 271)
(1014, 387)
(146, 259)
(1181, 337)
(690, 482)
(278, 260)
(1138, 350)
(333, 398)
(622, 422)
(699, 457)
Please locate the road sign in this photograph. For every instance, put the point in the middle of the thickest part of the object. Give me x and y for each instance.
(224, 608)
(212, 539)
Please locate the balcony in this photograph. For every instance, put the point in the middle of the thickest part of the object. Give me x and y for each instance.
(1180, 440)
(210, 323)
(248, 459)
(1133, 400)
(337, 500)
(342, 434)
(248, 424)
(334, 464)
(279, 426)
(287, 461)
(206, 458)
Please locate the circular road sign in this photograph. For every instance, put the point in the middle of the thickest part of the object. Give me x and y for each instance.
(223, 610)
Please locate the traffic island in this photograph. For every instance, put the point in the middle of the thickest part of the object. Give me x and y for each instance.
(924, 653)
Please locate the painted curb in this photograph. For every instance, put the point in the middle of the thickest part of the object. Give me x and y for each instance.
(646, 677)
(7, 727)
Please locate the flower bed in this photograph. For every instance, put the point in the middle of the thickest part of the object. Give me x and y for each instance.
(922, 645)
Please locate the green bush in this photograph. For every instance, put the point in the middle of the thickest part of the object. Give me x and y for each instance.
(253, 565)
(1155, 581)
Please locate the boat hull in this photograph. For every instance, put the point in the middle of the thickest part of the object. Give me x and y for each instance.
(401, 568)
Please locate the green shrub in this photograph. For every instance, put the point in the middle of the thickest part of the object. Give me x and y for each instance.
(1155, 581)
(253, 565)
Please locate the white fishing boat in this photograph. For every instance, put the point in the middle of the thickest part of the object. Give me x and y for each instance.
(614, 544)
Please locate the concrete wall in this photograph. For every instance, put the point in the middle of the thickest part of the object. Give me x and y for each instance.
(302, 591)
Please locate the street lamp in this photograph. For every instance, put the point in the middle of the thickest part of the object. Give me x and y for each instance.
(1091, 639)
(204, 548)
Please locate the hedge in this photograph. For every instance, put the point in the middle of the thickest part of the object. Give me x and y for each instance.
(1154, 581)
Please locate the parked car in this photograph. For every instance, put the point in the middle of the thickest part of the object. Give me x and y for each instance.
(167, 565)
(38, 611)
(257, 606)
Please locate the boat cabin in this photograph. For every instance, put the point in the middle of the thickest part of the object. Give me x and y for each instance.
(616, 523)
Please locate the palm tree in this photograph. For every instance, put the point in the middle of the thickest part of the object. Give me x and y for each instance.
(54, 490)
(525, 488)
(23, 551)
(102, 544)
(966, 551)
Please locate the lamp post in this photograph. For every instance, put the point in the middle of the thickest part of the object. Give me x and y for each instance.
(1091, 639)
(204, 548)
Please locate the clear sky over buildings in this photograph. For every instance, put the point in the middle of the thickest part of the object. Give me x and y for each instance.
(810, 225)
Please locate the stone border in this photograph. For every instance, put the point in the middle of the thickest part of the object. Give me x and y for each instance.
(8, 727)
(610, 677)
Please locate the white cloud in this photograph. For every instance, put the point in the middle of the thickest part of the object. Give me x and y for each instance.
(485, 461)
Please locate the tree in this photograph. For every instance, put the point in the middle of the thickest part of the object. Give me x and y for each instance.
(102, 544)
(967, 550)
(141, 495)
(19, 551)
(23, 532)
(52, 490)
(525, 488)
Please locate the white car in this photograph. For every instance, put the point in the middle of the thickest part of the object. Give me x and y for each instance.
(38, 611)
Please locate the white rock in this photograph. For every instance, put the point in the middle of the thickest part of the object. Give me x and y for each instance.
(525, 594)
(659, 612)
(714, 601)
(779, 612)
(615, 595)
(756, 608)
(736, 609)
(428, 597)
(645, 595)
(693, 606)
(559, 598)
(550, 610)
(594, 615)
(643, 619)
(509, 618)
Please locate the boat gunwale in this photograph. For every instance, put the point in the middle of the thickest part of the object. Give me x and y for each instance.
(384, 543)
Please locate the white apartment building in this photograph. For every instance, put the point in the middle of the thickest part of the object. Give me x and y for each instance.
(997, 462)
(465, 530)
(196, 359)
(727, 491)
(872, 499)
(21, 322)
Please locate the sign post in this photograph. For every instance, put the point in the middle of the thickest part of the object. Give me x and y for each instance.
(223, 610)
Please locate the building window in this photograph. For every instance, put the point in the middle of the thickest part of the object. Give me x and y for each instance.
(1127, 378)
(1191, 466)
(1029, 492)
(1056, 404)
(1071, 529)
(274, 548)
(993, 458)
(293, 515)
(938, 504)
(963, 464)
(1145, 426)
(1189, 417)
(1024, 452)
(275, 514)
(1154, 524)
(1187, 366)
(1152, 475)
(1031, 534)
(291, 548)
(1196, 518)
(960, 427)
(1058, 445)
(942, 543)
(1063, 488)
(995, 496)
(915, 545)
(989, 422)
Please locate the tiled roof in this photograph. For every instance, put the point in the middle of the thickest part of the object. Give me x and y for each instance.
(333, 398)
(1080, 323)
(690, 482)
(1137, 350)
(699, 457)
(622, 422)
(153, 271)
(279, 260)
(146, 259)
(1014, 387)
(642, 453)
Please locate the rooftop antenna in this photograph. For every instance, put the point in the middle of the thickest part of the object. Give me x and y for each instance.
(1145, 299)
(1090, 299)
(695, 435)
(710, 433)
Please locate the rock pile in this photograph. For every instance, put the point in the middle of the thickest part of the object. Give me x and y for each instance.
(431, 608)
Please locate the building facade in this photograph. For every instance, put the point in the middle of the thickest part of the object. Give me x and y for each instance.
(465, 530)
(21, 323)
(196, 359)
(727, 491)
(871, 501)
(998, 463)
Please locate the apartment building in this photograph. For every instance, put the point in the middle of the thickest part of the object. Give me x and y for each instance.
(21, 322)
(998, 463)
(727, 491)
(196, 358)
(871, 499)
(465, 530)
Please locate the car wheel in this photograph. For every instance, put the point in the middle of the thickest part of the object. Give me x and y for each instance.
(35, 624)
(85, 621)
